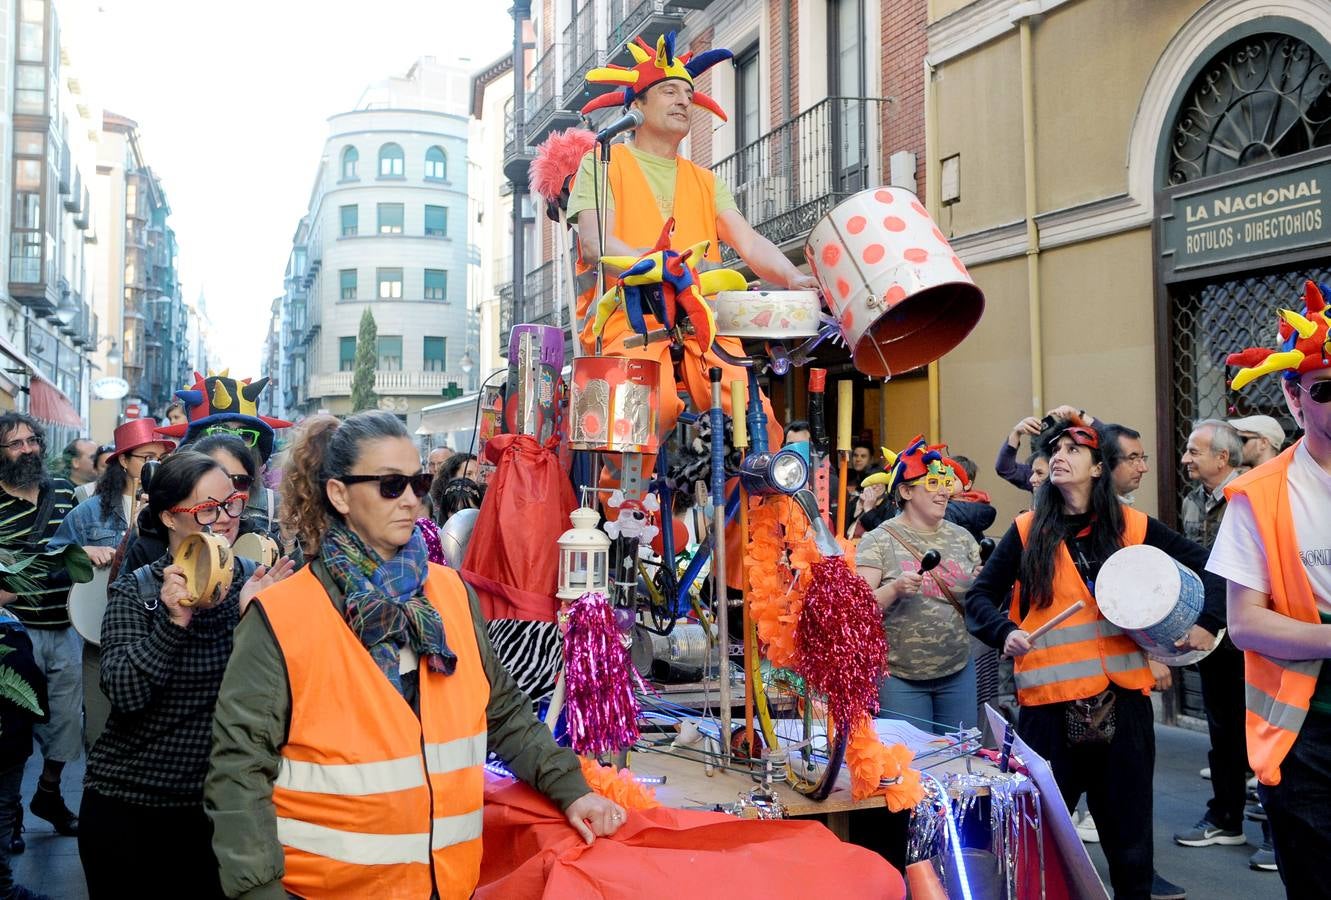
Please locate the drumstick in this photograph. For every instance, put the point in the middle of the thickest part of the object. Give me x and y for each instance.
(1054, 622)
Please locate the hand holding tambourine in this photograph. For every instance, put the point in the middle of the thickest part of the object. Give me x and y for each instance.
(265, 577)
(174, 591)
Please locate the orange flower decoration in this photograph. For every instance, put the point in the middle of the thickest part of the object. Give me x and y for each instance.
(618, 786)
(871, 762)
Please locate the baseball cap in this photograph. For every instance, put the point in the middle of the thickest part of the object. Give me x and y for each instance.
(1265, 426)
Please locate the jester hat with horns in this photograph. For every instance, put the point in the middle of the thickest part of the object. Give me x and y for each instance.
(222, 400)
(915, 462)
(652, 67)
(1304, 343)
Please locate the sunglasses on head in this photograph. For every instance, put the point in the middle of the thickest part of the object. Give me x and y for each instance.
(392, 486)
(241, 482)
(1319, 391)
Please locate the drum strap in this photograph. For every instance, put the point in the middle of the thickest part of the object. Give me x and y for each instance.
(914, 551)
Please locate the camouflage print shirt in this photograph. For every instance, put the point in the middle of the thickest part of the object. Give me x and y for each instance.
(926, 636)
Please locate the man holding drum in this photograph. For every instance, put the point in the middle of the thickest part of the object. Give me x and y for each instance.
(1274, 547)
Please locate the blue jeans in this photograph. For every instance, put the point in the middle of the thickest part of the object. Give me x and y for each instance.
(931, 704)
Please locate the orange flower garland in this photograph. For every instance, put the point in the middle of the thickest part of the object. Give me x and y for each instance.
(618, 786)
(871, 762)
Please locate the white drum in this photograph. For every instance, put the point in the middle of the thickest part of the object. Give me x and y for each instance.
(1153, 598)
(87, 606)
(767, 315)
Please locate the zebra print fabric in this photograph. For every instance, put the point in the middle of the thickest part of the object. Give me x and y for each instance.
(531, 651)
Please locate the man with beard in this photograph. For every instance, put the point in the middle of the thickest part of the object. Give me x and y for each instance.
(32, 506)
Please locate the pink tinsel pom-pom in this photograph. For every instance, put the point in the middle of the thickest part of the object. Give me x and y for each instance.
(600, 683)
(433, 548)
(840, 640)
(558, 158)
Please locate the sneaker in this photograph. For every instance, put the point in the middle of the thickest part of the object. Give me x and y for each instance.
(16, 843)
(1206, 773)
(1205, 833)
(1255, 812)
(1086, 829)
(1161, 889)
(49, 805)
(1264, 860)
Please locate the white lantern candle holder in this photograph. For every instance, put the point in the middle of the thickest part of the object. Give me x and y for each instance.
(584, 557)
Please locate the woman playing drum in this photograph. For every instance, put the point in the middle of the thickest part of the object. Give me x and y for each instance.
(163, 656)
(1083, 686)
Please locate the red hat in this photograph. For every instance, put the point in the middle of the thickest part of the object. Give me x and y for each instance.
(137, 433)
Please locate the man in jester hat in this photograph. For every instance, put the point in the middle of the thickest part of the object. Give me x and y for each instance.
(1274, 548)
(668, 215)
(220, 404)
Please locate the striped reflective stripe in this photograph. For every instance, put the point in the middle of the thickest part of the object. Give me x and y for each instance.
(1272, 711)
(450, 830)
(1086, 668)
(450, 756)
(1310, 667)
(1070, 634)
(351, 779)
(354, 847)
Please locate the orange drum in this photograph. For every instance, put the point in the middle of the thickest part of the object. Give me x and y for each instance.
(900, 294)
(613, 404)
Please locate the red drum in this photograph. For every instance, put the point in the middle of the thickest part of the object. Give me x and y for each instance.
(613, 404)
(901, 295)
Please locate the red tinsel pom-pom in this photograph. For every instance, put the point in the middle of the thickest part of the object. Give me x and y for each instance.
(840, 639)
(601, 701)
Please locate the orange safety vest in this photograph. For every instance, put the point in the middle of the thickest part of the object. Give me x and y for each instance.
(372, 801)
(1278, 690)
(638, 223)
(1084, 652)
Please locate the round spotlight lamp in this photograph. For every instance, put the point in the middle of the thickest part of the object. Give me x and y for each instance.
(765, 473)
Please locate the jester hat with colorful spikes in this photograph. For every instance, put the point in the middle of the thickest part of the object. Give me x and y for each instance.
(915, 462)
(1304, 343)
(220, 399)
(652, 67)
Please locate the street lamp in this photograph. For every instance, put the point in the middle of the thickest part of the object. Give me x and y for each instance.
(467, 364)
(67, 310)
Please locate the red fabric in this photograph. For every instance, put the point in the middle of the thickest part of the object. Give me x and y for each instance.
(49, 404)
(526, 509)
(530, 851)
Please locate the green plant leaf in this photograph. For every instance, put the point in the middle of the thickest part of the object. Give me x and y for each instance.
(17, 691)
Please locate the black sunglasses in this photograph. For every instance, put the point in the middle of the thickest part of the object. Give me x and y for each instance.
(1320, 392)
(392, 486)
(241, 482)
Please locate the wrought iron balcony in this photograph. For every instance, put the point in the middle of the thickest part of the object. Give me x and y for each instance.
(547, 113)
(785, 181)
(646, 19)
(581, 55)
(540, 296)
(517, 155)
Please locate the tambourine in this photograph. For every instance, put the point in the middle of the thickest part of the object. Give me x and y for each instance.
(258, 547)
(206, 561)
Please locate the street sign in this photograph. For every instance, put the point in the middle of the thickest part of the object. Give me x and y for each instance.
(110, 388)
(133, 411)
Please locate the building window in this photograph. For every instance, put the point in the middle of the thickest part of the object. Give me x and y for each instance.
(390, 352)
(350, 220)
(347, 282)
(434, 354)
(847, 78)
(346, 354)
(391, 161)
(436, 284)
(436, 164)
(748, 97)
(350, 160)
(390, 284)
(390, 218)
(436, 221)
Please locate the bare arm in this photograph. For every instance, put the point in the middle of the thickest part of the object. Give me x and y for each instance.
(589, 240)
(1253, 625)
(767, 262)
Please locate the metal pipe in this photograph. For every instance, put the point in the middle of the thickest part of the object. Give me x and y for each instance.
(737, 402)
(720, 599)
(932, 195)
(1032, 228)
(520, 11)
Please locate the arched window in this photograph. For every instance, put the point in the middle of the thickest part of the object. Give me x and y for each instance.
(350, 159)
(1263, 97)
(436, 164)
(391, 161)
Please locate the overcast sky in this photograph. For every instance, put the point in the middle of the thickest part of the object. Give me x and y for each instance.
(232, 101)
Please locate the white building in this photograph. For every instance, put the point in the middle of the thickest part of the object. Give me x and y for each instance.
(386, 229)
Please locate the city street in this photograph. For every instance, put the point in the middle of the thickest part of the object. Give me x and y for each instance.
(51, 863)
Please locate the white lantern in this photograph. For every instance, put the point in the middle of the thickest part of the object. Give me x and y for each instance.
(584, 556)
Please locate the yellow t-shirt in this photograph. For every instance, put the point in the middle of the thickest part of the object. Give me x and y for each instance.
(660, 175)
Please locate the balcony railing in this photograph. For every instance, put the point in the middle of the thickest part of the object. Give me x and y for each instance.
(546, 111)
(581, 54)
(647, 19)
(517, 155)
(338, 384)
(785, 181)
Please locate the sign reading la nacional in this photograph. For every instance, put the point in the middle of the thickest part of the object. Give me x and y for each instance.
(1204, 224)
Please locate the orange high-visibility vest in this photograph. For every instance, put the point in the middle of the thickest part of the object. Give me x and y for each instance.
(1279, 690)
(638, 223)
(1085, 652)
(372, 801)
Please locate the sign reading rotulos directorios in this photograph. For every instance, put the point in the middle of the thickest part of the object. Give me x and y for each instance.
(1274, 210)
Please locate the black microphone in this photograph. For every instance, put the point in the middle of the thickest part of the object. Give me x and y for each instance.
(627, 122)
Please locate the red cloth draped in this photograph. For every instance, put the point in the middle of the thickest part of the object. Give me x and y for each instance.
(514, 543)
(532, 852)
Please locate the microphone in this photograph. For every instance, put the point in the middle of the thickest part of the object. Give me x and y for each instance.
(627, 122)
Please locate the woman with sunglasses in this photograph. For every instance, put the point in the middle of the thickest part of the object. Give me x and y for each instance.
(1083, 687)
(162, 663)
(931, 674)
(363, 695)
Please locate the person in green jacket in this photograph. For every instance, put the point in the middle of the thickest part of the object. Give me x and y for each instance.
(321, 498)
